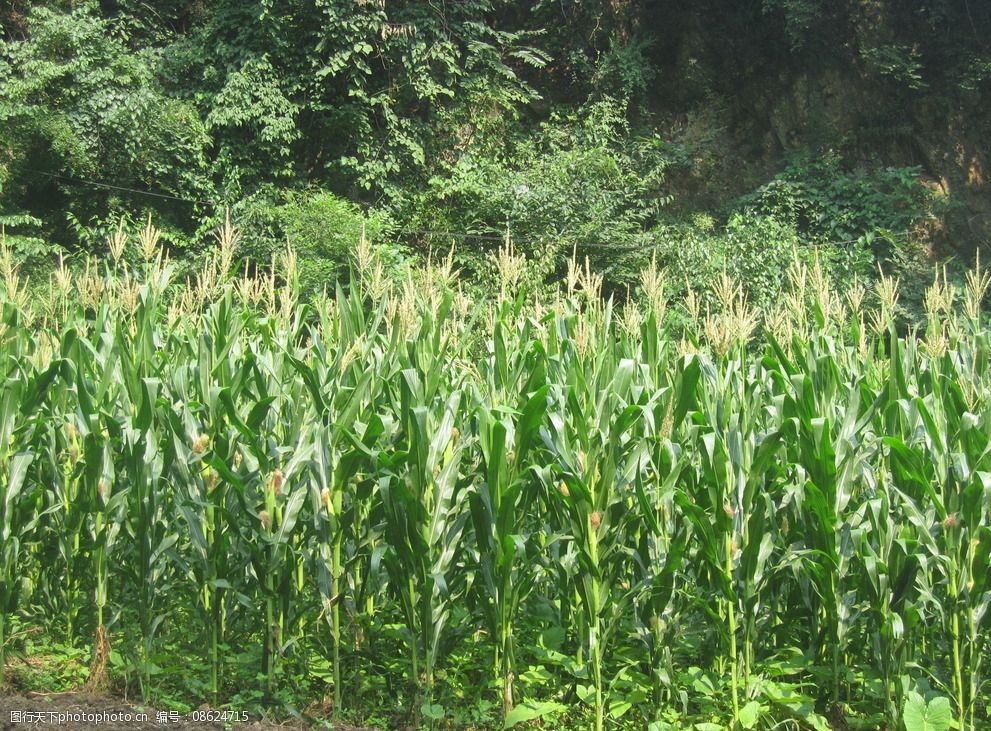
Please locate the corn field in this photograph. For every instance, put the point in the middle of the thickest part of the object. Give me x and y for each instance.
(773, 521)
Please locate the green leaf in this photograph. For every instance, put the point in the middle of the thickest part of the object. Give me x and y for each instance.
(749, 715)
(553, 638)
(618, 708)
(921, 716)
(529, 711)
(586, 693)
(433, 711)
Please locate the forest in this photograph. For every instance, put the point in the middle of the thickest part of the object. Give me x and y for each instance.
(477, 364)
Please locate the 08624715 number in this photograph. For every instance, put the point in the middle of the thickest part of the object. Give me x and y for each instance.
(219, 716)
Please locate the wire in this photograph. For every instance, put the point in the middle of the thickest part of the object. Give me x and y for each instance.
(454, 234)
(501, 238)
(108, 186)
(618, 248)
(493, 236)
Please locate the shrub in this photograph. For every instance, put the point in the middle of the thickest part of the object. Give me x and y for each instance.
(322, 228)
(755, 249)
(827, 200)
(584, 182)
(856, 217)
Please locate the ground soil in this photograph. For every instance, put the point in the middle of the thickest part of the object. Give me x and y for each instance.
(83, 703)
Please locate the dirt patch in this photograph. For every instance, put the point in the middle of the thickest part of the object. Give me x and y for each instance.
(85, 712)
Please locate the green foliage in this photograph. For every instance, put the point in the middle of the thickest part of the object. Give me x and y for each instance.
(322, 229)
(799, 17)
(856, 217)
(976, 72)
(936, 715)
(583, 183)
(484, 115)
(410, 47)
(625, 71)
(76, 101)
(900, 63)
(325, 231)
(755, 249)
(419, 504)
(828, 201)
(253, 104)
(347, 91)
(247, 95)
(17, 233)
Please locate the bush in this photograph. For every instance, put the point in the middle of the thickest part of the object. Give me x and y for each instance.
(827, 201)
(322, 228)
(756, 250)
(584, 182)
(857, 218)
(77, 101)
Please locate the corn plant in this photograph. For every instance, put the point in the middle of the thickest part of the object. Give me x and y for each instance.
(890, 566)
(17, 513)
(594, 417)
(660, 553)
(345, 389)
(733, 511)
(424, 502)
(662, 544)
(98, 376)
(264, 413)
(827, 439)
(143, 460)
(152, 533)
(714, 525)
(14, 462)
(64, 529)
(945, 493)
(507, 436)
(498, 506)
(207, 469)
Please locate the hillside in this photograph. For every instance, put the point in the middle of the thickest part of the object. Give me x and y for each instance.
(611, 127)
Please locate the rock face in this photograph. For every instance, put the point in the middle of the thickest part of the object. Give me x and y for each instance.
(885, 84)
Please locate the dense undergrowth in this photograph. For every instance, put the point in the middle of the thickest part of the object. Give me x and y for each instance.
(398, 505)
(711, 135)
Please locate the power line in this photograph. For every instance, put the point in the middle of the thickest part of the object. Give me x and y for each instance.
(454, 234)
(501, 238)
(492, 236)
(108, 186)
(618, 248)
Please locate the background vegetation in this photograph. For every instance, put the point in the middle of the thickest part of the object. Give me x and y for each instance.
(619, 129)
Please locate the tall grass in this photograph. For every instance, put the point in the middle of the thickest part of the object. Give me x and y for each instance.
(760, 521)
